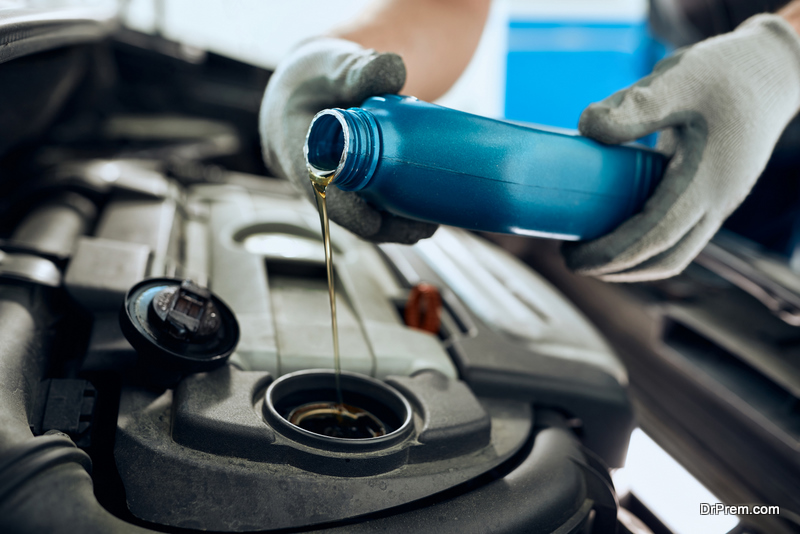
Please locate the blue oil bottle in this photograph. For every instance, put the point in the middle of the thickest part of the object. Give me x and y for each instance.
(435, 164)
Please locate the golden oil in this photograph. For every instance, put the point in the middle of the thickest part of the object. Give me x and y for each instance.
(320, 185)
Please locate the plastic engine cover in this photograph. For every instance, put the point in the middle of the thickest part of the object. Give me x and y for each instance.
(487, 397)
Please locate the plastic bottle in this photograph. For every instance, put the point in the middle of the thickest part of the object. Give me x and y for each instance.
(430, 163)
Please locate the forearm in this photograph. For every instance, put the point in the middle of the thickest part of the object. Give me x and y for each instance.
(791, 12)
(436, 38)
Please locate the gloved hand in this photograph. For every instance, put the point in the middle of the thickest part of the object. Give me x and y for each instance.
(723, 104)
(327, 73)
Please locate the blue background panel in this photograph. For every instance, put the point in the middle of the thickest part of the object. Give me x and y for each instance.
(555, 69)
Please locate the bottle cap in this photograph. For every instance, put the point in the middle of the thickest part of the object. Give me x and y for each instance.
(178, 326)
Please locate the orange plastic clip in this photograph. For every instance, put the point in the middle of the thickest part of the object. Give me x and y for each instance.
(423, 309)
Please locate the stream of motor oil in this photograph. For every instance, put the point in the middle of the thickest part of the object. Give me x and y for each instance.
(320, 184)
(358, 419)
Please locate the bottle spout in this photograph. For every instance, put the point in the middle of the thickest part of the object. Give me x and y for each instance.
(326, 146)
(342, 148)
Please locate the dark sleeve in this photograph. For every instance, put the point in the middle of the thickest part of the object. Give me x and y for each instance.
(683, 22)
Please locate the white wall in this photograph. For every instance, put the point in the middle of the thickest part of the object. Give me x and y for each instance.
(584, 10)
(261, 32)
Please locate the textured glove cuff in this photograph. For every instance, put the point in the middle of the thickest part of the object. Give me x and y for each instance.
(775, 47)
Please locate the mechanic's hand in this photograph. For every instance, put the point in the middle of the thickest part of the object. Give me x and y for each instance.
(723, 104)
(327, 73)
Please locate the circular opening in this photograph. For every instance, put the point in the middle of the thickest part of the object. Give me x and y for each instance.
(303, 406)
(311, 409)
(326, 142)
(337, 420)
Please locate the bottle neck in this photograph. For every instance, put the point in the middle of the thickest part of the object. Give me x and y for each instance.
(344, 145)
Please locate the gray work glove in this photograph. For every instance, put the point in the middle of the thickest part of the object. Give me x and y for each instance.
(327, 73)
(722, 103)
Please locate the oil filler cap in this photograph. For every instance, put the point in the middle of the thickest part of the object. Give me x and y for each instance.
(178, 326)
